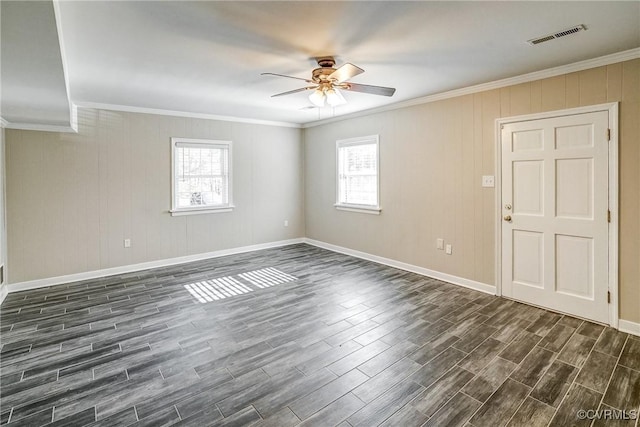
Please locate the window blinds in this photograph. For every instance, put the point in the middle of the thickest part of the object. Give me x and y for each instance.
(201, 175)
(358, 174)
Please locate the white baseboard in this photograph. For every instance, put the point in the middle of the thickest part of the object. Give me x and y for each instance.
(629, 327)
(4, 291)
(51, 281)
(460, 281)
(623, 325)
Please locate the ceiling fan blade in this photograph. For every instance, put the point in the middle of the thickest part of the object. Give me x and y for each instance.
(345, 72)
(289, 77)
(294, 91)
(374, 90)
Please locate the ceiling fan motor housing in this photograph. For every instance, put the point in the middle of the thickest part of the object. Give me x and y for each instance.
(327, 64)
(322, 74)
(326, 61)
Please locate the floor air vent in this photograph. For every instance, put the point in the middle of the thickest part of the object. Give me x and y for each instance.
(557, 35)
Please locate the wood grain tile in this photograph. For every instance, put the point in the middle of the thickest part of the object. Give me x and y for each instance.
(431, 349)
(557, 338)
(406, 416)
(386, 405)
(577, 398)
(502, 405)
(518, 349)
(282, 418)
(313, 402)
(482, 355)
(624, 389)
(437, 367)
(533, 366)
(335, 412)
(532, 413)
(611, 342)
(347, 338)
(489, 379)
(590, 330)
(555, 383)
(377, 385)
(577, 349)
(436, 395)
(631, 354)
(596, 371)
(455, 413)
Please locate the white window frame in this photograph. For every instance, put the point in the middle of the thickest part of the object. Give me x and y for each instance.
(227, 207)
(361, 140)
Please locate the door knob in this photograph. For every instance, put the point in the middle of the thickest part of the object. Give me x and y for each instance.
(507, 218)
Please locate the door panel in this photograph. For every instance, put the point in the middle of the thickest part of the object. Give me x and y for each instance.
(574, 188)
(528, 260)
(527, 140)
(528, 187)
(555, 203)
(574, 136)
(574, 265)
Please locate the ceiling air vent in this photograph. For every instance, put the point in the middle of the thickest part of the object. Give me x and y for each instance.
(557, 35)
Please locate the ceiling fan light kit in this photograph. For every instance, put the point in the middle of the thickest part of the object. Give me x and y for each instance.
(328, 82)
(317, 98)
(327, 93)
(334, 97)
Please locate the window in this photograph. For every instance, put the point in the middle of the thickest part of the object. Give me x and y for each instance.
(201, 176)
(357, 183)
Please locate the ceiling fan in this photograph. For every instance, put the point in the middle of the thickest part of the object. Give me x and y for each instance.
(327, 81)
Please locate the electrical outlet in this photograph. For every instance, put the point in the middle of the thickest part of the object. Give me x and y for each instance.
(448, 250)
(488, 181)
(439, 243)
(127, 243)
(286, 222)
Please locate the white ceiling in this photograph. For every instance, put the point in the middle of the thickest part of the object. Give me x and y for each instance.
(206, 57)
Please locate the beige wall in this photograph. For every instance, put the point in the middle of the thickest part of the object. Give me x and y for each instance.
(72, 199)
(3, 224)
(432, 158)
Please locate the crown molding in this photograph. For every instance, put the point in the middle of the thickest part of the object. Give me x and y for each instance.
(45, 127)
(613, 58)
(510, 81)
(174, 113)
(41, 127)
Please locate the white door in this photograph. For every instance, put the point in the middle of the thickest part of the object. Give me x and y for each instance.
(555, 213)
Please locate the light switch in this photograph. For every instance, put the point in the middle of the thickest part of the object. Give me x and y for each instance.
(449, 250)
(439, 243)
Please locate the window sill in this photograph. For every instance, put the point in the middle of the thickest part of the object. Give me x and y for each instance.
(197, 211)
(371, 210)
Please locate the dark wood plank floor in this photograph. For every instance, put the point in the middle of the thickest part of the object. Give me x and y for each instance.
(300, 335)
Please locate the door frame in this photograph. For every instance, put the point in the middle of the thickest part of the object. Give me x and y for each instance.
(612, 109)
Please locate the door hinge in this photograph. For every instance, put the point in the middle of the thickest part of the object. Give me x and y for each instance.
(608, 134)
(608, 297)
(608, 216)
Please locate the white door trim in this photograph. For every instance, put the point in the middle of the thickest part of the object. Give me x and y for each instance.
(612, 109)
